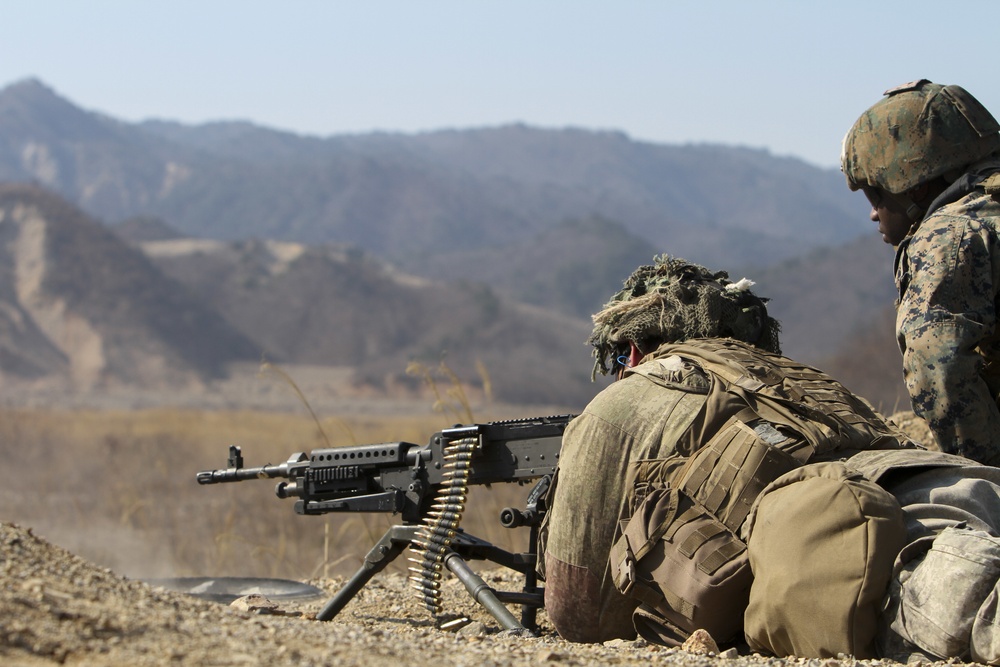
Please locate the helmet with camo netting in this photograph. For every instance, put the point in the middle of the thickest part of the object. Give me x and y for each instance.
(673, 300)
(916, 133)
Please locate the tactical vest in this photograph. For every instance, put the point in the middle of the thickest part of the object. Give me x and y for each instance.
(680, 550)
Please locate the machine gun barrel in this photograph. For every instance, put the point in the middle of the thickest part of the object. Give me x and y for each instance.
(427, 486)
(400, 476)
(237, 473)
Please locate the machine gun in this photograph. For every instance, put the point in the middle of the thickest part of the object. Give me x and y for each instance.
(427, 487)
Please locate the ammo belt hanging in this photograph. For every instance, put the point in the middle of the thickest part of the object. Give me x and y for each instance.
(438, 528)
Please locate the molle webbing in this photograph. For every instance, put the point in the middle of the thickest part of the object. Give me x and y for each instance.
(668, 518)
(728, 474)
(786, 393)
(682, 552)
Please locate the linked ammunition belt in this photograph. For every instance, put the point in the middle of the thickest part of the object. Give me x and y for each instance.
(439, 526)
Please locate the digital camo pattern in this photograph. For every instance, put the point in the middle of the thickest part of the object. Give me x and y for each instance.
(943, 601)
(948, 276)
(631, 419)
(945, 604)
(674, 403)
(917, 132)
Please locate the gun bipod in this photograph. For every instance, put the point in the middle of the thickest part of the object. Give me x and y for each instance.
(464, 547)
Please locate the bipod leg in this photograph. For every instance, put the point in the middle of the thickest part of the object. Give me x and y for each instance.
(481, 592)
(395, 540)
(529, 613)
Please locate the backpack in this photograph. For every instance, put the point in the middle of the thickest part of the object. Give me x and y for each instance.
(681, 548)
(679, 554)
(823, 541)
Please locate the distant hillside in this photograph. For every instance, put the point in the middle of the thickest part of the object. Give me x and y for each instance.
(836, 306)
(336, 305)
(145, 228)
(79, 307)
(309, 250)
(869, 363)
(572, 267)
(333, 305)
(825, 296)
(416, 200)
(82, 308)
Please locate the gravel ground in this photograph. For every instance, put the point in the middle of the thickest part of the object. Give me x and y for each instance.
(56, 608)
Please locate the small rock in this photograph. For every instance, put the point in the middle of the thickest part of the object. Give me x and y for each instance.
(518, 633)
(474, 629)
(256, 604)
(617, 643)
(701, 642)
(730, 653)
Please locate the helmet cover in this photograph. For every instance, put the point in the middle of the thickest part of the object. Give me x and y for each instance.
(916, 133)
(673, 300)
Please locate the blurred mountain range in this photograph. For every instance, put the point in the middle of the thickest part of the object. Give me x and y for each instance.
(486, 247)
(415, 200)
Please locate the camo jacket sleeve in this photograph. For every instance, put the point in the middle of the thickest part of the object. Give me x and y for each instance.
(948, 275)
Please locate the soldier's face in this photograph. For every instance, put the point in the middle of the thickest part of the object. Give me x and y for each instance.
(893, 223)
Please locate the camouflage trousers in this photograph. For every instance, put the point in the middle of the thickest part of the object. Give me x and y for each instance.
(946, 603)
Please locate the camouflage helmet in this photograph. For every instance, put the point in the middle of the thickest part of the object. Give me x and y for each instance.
(916, 133)
(673, 300)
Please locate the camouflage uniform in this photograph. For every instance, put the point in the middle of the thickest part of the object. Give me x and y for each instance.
(667, 409)
(944, 601)
(630, 420)
(947, 265)
(948, 276)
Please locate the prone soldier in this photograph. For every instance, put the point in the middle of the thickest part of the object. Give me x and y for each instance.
(719, 486)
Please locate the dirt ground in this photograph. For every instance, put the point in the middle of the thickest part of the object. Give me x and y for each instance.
(58, 609)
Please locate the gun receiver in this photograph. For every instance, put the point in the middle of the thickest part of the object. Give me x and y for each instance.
(427, 486)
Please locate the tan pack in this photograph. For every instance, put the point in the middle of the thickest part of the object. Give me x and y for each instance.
(681, 551)
(680, 554)
(822, 544)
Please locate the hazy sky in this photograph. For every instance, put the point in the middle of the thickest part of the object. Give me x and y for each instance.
(787, 76)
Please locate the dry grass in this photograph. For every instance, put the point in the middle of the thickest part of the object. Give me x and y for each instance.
(119, 489)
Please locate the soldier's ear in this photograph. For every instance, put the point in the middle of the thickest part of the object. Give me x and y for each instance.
(918, 193)
(927, 191)
(635, 355)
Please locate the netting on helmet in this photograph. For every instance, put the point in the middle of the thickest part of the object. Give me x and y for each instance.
(673, 300)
